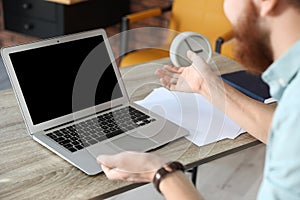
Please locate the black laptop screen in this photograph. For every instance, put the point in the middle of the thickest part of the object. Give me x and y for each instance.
(59, 79)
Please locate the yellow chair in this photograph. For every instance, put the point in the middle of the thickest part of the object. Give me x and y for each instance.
(203, 16)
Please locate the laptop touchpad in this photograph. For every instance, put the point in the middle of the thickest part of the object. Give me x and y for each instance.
(132, 142)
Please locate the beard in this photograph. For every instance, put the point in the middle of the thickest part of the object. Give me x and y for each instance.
(252, 48)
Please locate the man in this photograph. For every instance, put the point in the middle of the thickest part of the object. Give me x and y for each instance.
(268, 42)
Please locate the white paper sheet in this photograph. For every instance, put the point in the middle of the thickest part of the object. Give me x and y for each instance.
(193, 112)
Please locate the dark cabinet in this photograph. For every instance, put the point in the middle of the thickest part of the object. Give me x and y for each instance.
(46, 19)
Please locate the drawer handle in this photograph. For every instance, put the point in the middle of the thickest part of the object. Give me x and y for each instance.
(26, 6)
(28, 26)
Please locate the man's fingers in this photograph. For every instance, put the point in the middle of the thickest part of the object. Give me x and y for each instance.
(173, 68)
(164, 72)
(165, 83)
(117, 160)
(197, 61)
(167, 78)
(170, 86)
(173, 87)
(168, 81)
(108, 161)
(110, 164)
(114, 174)
(105, 169)
(191, 55)
(111, 173)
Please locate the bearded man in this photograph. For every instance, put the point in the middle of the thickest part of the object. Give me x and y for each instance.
(268, 42)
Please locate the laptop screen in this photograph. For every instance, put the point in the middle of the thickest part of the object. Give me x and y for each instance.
(60, 79)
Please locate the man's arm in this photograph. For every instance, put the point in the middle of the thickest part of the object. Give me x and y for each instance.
(253, 116)
(141, 167)
(177, 186)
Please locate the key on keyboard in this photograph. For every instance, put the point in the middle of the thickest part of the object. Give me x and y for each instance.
(97, 129)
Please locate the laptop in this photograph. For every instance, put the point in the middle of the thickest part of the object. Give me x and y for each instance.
(74, 102)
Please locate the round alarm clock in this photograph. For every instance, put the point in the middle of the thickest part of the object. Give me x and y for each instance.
(189, 41)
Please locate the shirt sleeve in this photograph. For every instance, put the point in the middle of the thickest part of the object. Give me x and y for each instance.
(282, 168)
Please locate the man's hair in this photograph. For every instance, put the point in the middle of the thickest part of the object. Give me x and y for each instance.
(295, 3)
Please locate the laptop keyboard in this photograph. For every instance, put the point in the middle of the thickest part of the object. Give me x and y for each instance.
(97, 129)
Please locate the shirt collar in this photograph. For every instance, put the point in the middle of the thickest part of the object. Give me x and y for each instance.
(281, 72)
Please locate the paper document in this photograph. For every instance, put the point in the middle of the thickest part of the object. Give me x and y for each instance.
(205, 122)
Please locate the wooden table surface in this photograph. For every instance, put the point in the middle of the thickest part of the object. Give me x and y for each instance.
(30, 171)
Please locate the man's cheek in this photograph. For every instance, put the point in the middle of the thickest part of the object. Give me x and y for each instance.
(233, 9)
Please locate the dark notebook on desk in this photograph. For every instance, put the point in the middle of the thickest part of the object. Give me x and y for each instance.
(249, 84)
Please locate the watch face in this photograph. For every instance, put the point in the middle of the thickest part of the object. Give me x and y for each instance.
(189, 41)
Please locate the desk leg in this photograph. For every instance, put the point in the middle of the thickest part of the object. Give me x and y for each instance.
(194, 175)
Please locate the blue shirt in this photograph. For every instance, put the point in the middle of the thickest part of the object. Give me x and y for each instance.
(282, 165)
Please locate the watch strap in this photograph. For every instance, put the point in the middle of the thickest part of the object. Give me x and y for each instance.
(166, 169)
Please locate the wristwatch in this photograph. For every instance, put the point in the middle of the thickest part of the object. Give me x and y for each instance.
(166, 169)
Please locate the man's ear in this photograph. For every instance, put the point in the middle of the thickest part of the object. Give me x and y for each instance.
(266, 7)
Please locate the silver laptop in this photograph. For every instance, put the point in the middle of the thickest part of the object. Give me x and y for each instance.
(74, 102)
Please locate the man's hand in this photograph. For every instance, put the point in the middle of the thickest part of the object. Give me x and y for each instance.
(185, 79)
(131, 166)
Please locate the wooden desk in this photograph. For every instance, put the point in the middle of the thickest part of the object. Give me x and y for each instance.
(30, 171)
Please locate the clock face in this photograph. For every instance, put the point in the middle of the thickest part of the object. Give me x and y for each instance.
(189, 41)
